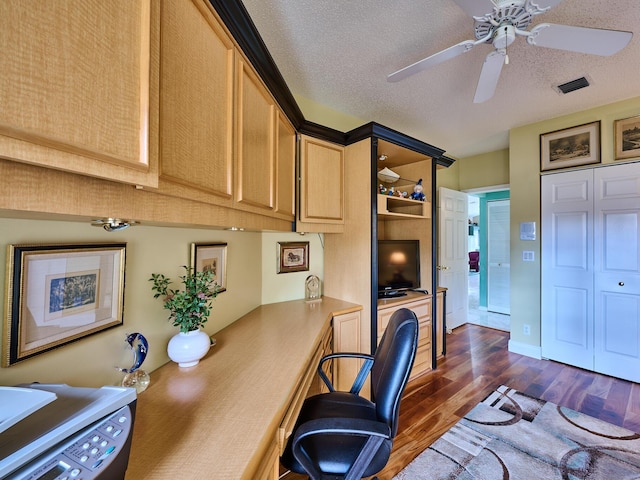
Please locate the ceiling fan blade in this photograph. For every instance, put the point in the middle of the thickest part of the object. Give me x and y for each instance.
(489, 76)
(434, 59)
(579, 39)
(542, 4)
(476, 8)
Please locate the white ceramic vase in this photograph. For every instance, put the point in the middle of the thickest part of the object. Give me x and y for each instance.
(186, 349)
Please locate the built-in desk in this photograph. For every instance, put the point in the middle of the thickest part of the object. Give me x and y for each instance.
(220, 419)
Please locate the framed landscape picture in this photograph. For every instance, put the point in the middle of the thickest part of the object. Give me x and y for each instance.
(627, 138)
(570, 147)
(57, 294)
(212, 257)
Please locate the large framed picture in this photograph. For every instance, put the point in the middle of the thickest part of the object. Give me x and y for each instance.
(627, 134)
(570, 147)
(212, 257)
(57, 294)
(293, 257)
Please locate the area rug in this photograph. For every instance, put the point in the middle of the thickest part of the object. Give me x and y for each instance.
(510, 435)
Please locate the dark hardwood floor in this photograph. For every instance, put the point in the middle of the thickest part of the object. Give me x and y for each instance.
(477, 362)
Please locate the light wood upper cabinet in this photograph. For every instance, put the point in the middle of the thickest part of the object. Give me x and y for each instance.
(286, 167)
(196, 102)
(321, 188)
(255, 137)
(265, 148)
(75, 87)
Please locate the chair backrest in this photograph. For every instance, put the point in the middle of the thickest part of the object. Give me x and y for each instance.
(474, 256)
(392, 365)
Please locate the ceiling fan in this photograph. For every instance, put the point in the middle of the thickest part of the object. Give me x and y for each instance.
(499, 22)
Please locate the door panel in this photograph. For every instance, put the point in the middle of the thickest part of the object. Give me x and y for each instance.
(453, 267)
(567, 276)
(617, 279)
(498, 257)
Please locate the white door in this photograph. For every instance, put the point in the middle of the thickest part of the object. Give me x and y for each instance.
(453, 260)
(591, 269)
(567, 268)
(617, 271)
(498, 257)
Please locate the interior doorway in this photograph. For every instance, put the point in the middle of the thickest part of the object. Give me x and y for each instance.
(478, 241)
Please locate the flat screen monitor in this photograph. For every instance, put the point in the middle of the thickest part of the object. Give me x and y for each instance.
(398, 266)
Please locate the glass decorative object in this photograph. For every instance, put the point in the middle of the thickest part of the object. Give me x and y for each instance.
(134, 377)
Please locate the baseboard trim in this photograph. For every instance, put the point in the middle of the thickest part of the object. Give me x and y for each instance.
(525, 349)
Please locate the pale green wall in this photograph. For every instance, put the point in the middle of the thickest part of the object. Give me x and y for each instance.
(484, 170)
(251, 280)
(524, 178)
(328, 117)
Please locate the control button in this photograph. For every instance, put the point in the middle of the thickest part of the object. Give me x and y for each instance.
(96, 465)
(95, 438)
(104, 443)
(84, 458)
(122, 419)
(116, 433)
(75, 472)
(110, 428)
(86, 445)
(94, 450)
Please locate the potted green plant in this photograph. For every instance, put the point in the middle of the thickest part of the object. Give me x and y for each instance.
(189, 309)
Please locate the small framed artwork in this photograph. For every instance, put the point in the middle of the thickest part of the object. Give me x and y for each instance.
(211, 257)
(293, 257)
(627, 135)
(570, 147)
(57, 294)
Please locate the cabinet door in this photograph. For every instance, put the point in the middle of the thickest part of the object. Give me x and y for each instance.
(196, 100)
(255, 136)
(286, 168)
(321, 182)
(75, 87)
(346, 338)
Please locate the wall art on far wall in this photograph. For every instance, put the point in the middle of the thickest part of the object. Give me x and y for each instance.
(570, 147)
(57, 294)
(627, 135)
(293, 257)
(212, 257)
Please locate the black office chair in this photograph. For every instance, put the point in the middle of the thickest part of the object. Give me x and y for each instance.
(341, 435)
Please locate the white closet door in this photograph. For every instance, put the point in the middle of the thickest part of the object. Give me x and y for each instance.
(567, 268)
(453, 259)
(498, 257)
(617, 267)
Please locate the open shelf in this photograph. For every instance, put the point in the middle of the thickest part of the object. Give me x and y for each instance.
(389, 206)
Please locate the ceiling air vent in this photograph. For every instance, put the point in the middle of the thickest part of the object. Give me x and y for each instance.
(573, 85)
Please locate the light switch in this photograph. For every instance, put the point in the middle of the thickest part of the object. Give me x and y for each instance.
(528, 256)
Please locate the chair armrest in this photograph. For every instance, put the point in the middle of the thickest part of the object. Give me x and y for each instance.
(375, 432)
(360, 378)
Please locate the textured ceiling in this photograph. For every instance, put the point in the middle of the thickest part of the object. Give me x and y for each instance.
(339, 53)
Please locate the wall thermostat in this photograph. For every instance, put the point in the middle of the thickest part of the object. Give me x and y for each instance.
(527, 230)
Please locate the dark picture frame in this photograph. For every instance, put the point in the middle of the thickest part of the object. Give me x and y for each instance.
(293, 257)
(57, 294)
(212, 257)
(570, 147)
(627, 138)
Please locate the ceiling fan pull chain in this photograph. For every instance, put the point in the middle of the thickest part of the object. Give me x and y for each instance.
(506, 45)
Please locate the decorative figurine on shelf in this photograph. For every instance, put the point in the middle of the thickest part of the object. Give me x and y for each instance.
(136, 378)
(404, 194)
(382, 189)
(417, 192)
(391, 191)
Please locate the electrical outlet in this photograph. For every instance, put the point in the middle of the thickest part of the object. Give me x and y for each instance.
(528, 256)
(526, 329)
